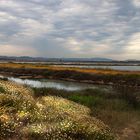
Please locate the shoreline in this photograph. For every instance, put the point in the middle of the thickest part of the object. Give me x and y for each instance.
(97, 82)
(81, 75)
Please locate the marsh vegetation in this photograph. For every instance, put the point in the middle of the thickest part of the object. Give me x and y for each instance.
(45, 113)
(94, 76)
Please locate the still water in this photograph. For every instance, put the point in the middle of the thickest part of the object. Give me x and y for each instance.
(124, 68)
(69, 86)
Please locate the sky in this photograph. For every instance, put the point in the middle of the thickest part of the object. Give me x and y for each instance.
(70, 28)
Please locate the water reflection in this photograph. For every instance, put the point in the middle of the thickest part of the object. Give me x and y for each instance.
(123, 68)
(69, 86)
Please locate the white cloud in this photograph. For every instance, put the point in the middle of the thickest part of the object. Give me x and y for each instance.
(133, 47)
(17, 50)
(33, 28)
(77, 27)
(74, 45)
(137, 3)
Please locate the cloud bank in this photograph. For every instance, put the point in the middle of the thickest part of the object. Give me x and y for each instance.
(70, 28)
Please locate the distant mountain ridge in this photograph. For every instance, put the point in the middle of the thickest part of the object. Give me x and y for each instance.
(43, 59)
(27, 58)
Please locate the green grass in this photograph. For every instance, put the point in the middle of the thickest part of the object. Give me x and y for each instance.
(100, 102)
(125, 97)
(2, 90)
(87, 100)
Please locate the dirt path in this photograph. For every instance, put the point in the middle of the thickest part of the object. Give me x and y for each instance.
(132, 132)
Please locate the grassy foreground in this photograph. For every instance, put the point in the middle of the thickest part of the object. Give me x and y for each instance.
(119, 108)
(26, 116)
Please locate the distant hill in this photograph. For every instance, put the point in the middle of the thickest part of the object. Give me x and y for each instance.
(43, 59)
(86, 59)
(39, 59)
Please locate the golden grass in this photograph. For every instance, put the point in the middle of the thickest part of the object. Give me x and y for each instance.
(59, 68)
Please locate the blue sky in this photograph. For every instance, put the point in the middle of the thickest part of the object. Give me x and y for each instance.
(70, 28)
